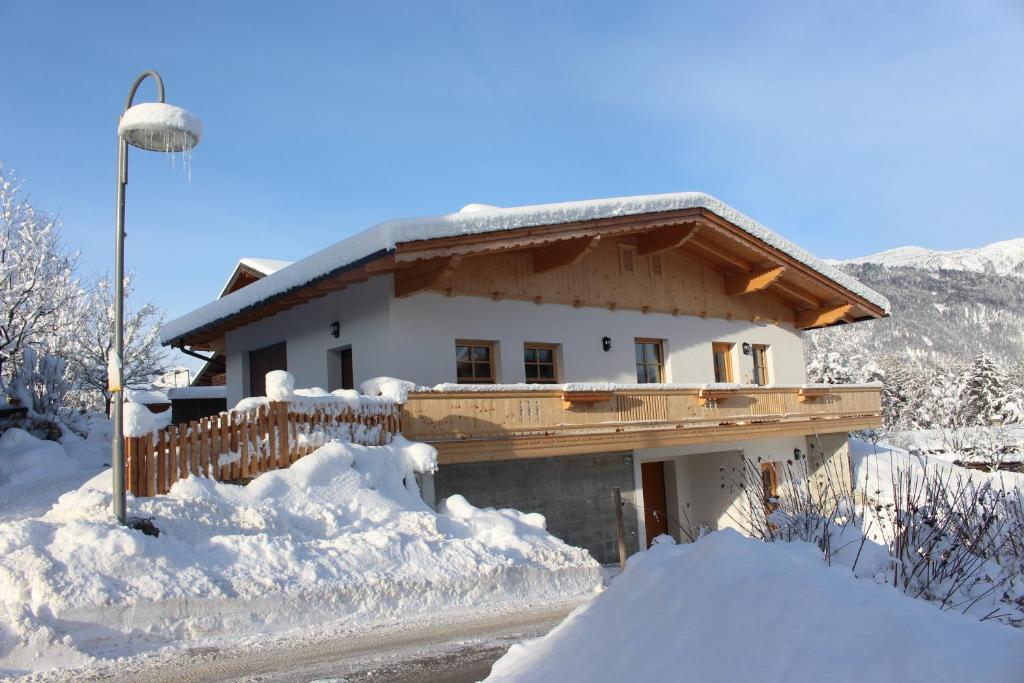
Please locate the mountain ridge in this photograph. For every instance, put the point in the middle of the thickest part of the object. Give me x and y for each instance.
(999, 258)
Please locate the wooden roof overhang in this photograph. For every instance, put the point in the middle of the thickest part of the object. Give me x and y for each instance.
(747, 263)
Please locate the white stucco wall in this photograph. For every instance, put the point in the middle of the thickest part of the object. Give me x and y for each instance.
(362, 312)
(414, 338)
(693, 475)
(424, 328)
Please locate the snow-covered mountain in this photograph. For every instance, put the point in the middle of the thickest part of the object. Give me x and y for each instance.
(1000, 258)
(946, 306)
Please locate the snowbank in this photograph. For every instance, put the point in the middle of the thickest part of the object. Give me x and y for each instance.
(876, 466)
(728, 608)
(25, 459)
(342, 536)
(385, 236)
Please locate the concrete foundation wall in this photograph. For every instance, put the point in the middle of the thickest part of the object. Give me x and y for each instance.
(573, 493)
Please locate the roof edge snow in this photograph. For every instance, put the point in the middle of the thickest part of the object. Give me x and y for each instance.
(384, 237)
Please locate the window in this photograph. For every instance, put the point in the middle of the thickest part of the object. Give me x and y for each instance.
(657, 267)
(759, 352)
(650, 364)
(627, 258)
(722, 354)
(474, 362)
(541, 364)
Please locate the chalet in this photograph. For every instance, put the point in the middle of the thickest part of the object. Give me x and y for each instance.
(648, 343)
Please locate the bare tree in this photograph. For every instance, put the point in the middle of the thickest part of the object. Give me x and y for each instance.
(144, 358)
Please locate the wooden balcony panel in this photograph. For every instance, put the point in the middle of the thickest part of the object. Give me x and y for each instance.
(508, 421)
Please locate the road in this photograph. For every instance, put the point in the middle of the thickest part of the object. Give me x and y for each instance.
(440, 650)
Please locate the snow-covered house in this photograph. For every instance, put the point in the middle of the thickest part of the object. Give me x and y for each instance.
(648, 343)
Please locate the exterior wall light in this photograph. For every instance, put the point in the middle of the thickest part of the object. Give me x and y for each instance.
(746, 348)
(606, 343)
(335, 329)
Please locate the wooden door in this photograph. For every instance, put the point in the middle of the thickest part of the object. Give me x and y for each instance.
(262, 361)
(652, 475)
(347, 380)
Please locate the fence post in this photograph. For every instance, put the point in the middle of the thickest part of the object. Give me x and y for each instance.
(620, 530)
(281, 415)
(131, 451)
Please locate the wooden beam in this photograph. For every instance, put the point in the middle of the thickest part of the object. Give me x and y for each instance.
(562, 253)
(753, 282)
(819, 317)
(717, 254)
(664, 239)
(797, 294)
(420, 276)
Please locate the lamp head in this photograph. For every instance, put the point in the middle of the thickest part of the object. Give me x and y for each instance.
(160, 127)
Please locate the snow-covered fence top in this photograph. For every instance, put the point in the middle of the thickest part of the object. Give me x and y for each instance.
(259, 434)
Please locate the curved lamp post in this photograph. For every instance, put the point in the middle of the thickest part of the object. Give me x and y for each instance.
(157, 127)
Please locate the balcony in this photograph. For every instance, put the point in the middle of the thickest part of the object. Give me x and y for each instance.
(501, 422)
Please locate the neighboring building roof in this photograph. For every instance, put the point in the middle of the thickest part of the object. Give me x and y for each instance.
(145, 396)
(249, 270)
(480, 219)
(190, 393)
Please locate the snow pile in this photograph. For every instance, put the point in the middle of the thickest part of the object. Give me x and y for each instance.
(139, 421)
(382, 238)
(728, 608)
(25, 459)
(280, 385)
(341, 537)
(395, 389)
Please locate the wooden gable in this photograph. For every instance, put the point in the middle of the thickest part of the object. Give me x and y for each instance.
(679, 285)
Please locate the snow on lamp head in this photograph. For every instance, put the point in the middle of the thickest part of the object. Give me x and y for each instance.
(160, 127)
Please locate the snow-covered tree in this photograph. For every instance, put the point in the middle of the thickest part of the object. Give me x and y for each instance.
(38, 286)
(144, 358)
(986, 391)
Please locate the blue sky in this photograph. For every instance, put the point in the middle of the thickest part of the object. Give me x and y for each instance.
(848, 127)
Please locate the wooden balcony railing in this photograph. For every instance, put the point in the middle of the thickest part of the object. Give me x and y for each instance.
(474, 423)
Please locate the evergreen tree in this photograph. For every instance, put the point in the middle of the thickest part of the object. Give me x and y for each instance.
(987, 392)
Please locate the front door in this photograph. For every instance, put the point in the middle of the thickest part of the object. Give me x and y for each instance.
(652, 475)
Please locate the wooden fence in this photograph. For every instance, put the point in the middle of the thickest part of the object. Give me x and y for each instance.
(239, 445)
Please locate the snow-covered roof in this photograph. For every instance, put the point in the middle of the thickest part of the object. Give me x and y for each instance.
(383, 237)
(145, 396)
(187, 393)
(263, 266)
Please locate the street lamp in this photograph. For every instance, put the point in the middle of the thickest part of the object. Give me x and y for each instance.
(157, 127)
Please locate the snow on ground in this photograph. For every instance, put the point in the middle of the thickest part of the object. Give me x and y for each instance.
(342, 536)
(876, 465)
(34, 473)
(727, 608)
